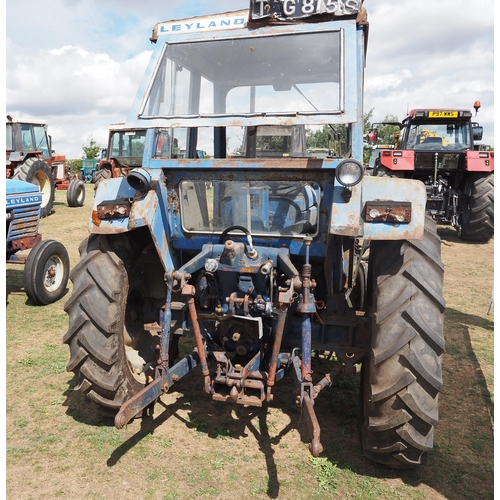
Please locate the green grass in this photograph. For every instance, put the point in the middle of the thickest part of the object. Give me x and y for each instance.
(59, 446)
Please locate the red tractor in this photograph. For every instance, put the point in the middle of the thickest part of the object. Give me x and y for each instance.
(437, 146)
(30, 158)
(124, 152)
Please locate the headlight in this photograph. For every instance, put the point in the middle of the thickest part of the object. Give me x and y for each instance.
(139, 179)
(349, 172)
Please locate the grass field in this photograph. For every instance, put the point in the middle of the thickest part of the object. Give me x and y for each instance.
(193, 447)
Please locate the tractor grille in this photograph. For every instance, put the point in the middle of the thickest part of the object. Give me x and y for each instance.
(23, 222)
(446, 161)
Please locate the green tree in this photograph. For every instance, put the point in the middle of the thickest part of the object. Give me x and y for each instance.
(91, 150)
(75, 165)
(332, 137)
(335, 137)
(386, 134)
(367, 121)
(320, 138)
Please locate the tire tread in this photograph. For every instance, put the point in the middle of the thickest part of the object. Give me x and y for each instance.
(403, 377)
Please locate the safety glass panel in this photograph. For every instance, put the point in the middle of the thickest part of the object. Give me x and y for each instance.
(242, 76)
(274, 207)
(451, 135)
(27, 138)
(127, 146)
(274, 141)
(41, 143)
(129, 143)
(8, 138)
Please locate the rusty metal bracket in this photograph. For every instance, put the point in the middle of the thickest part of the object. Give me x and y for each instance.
(313, 425)
(306, 402)
(149, 394)
(141, 400)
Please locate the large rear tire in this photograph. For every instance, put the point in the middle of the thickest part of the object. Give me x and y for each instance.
(111, 353)
(38, 172)
(46, 272)
(476, 219)
(402, 378)
(381, 171)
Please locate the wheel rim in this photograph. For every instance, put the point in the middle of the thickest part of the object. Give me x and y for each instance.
(358, 297)
(41, 180)
(81, 194)
(136, 364)
(141, 347)
(54, 273)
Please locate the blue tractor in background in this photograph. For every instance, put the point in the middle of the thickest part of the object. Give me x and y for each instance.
(46, 267)
(265, 260)
(88, 169)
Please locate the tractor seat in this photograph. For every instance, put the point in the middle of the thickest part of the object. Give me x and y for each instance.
(433, 140)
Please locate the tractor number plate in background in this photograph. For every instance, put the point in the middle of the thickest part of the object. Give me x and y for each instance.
(443, 114)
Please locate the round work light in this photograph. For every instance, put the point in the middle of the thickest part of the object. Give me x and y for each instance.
(349, 172)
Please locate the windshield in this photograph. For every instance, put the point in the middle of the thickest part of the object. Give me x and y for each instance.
(274, 141)
(127, 146)
(448, 135)
(373, 158)
(242, 77)
(272, 207)
(41, 143)
(8, 139)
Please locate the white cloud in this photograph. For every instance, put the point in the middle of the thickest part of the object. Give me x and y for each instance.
(85, 91)
(81, 72)
(78, 64)
(388, 81)
(430, 54)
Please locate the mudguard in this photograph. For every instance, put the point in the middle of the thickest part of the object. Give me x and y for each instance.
(148, 209)
(348, 218)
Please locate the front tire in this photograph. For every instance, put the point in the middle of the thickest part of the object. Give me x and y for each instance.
(111, 353)
(476, 219)
(76, 193)
(37, 172)
(403, 377)
(101, 174)
(381, 171)
(46, 272)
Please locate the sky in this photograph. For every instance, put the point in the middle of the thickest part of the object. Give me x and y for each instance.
(77, 64)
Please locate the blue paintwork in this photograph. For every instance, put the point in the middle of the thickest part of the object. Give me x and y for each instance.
(338, 216)
(239, 291)
(353, 60)
(14, 186)
(23, 201)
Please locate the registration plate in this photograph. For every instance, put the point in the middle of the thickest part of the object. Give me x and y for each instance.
(443, 114)
(299, 9)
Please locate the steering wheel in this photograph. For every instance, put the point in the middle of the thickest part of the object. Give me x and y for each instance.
(224, 234)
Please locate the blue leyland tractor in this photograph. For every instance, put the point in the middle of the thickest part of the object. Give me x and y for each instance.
(265, 261)
(46, 267)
